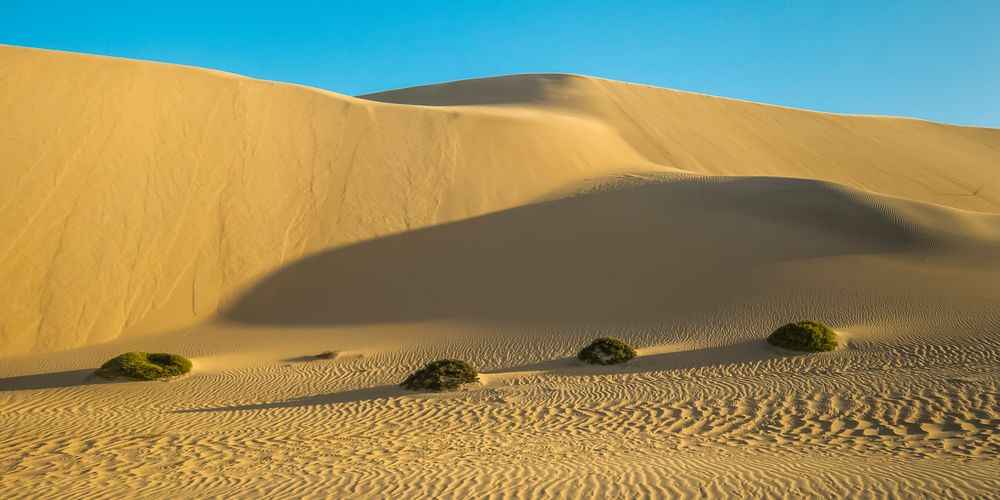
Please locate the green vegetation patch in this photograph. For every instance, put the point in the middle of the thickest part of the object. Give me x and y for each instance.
(441, 374)
(808, 335)
(607, 351)
(145, 366)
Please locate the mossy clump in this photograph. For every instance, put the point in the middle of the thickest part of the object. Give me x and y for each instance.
(145, 366)
(440, 375)
(607, 351)
(808, 335)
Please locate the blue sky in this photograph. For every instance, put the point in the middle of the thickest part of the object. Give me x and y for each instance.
(938, 60)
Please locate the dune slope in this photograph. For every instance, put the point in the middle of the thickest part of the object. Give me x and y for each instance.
(144, 196)
(636, 251)
(920, 160)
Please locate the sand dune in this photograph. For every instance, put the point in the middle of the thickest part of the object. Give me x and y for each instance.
(505, 221)
(933, 162)
(143, 196)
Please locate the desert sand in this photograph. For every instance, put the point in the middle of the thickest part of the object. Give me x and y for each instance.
(505, 221)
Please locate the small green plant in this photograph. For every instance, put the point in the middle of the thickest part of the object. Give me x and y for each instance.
(807, 335)
(145, 366)
(441, 374)
(607, 351)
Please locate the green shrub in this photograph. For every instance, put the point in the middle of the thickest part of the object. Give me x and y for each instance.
(607, 351)
(145, 366)
(441, 374)
(806, 335)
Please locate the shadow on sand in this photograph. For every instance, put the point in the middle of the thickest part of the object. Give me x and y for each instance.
(52, 380)
(752, 351)
(367, 394)
(512, 89)
(308, 358)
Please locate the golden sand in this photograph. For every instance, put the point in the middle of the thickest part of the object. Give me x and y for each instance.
(505, 221)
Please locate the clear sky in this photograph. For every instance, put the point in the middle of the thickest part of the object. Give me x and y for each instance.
(934, 59)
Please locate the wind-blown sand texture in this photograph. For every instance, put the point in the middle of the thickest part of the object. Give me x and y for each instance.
(507, 221)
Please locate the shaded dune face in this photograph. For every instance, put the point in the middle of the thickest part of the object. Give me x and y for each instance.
(638, 252)
(514, 89)
(142, 197)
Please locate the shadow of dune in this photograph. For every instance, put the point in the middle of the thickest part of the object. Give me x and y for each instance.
(642, 253)
(52, 380)
(366, 394)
